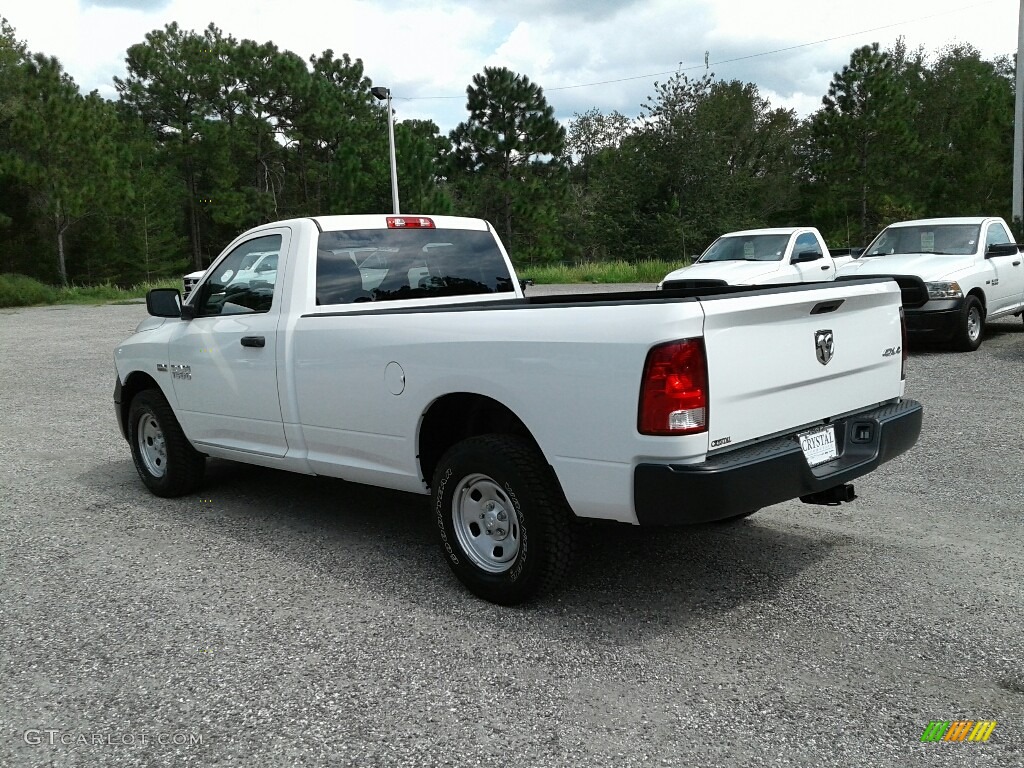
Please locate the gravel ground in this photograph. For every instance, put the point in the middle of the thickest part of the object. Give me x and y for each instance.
(275, 619)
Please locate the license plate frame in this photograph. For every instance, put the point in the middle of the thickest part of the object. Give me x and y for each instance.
(818, 452)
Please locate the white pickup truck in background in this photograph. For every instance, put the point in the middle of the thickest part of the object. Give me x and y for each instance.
(759, 257)
(431, 373)
(258, 266)
(954, 273)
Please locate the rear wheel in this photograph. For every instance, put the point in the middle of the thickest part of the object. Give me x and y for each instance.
(163, 456)
(972, 325)
(506, 529)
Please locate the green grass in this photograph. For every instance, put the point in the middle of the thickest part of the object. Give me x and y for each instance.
(22, 291)
(600, 272)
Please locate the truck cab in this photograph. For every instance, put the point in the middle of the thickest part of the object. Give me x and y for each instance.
(759, 257)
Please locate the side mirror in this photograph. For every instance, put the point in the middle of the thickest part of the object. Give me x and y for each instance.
(1002, 249)
(806, 256)
(164, 302)
(857, 252)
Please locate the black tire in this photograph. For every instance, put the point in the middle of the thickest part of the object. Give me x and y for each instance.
(971, 327)
(496, 480)
(174, 468)
(735, 518)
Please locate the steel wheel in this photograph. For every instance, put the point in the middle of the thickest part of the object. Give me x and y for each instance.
(506, 530)
(968, 336)
(152, 446)
(974, 324)
(163, 456)
(485, 523)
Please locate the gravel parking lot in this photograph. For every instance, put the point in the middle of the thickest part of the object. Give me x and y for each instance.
(275, 619)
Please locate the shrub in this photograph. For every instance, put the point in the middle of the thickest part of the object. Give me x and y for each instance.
(600, 272)
(22, 291)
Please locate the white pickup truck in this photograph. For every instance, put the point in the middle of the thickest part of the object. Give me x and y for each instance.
(516, 414)
(759, 257)
(954, 273)
(258, 266)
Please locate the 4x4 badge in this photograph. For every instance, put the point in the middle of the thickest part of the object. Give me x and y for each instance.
(824, 346)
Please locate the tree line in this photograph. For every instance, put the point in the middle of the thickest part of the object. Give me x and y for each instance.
(211, 135)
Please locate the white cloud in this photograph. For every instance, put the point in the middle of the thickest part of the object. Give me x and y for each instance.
(426, 49)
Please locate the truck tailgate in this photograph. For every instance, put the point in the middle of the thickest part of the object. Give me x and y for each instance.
(787, 359)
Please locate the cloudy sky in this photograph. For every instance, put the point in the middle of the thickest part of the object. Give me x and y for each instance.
(584, 53)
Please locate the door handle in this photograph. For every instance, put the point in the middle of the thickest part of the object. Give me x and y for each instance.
(254, 341)
(1016, 263)
(826, 268)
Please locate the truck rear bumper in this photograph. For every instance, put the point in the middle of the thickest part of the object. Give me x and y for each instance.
(771, 472)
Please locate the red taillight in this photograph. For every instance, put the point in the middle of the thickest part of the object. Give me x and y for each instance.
(903, 338)
(410, 222)
(674, 391)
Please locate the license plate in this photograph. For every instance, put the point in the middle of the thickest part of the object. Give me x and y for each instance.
(818, 445)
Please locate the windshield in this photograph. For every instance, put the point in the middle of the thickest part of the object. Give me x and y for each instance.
(746, 248)
(939, 239)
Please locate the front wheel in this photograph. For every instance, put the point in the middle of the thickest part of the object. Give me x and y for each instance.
(164, 458)
(506, 529)
(971, 326)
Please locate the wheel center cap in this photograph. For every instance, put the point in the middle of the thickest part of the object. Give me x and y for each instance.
(495, 521)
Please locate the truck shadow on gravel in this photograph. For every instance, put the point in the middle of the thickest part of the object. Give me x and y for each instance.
(703, 567)
(386, 542)
(1004, 329)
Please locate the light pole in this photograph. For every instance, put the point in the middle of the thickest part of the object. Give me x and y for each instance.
(1018, 131)
(380, 92)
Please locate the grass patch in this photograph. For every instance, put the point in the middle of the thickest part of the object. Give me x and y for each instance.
(22, 291)
(600, 272)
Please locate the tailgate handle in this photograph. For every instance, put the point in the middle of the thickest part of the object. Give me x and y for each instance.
(254, 341)
(823, 307)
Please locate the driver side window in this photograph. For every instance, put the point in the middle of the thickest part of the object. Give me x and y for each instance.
(244, 280)
(806, 243)
(996, 236)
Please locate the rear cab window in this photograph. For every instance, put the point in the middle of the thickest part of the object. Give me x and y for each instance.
(370, 265)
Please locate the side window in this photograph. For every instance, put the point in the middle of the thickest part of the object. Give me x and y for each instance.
(996, 235)
(244, 280)
(806, 242)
